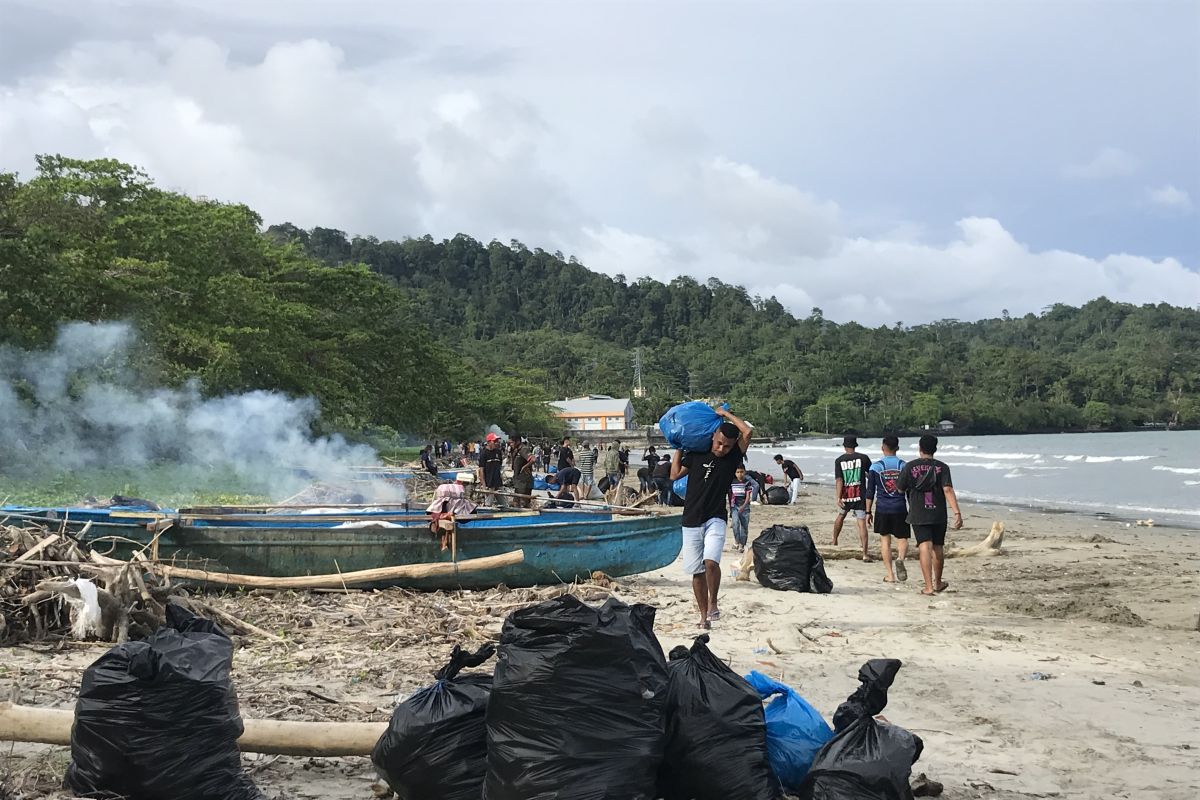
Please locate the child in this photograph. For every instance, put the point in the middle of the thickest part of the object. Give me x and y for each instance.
(740, 492)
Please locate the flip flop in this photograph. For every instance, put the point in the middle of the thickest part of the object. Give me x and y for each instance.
(889, 580)
(928, 594)
(706, 625)
(901, 571)
(713, 616)
(943, 586)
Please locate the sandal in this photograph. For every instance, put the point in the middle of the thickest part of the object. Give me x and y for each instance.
(901, 571)
(713, 616)
(927, 593)
(943, 586)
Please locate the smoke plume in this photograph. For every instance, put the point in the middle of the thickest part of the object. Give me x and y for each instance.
(80, 404)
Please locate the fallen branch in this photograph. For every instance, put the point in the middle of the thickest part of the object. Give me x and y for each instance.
(53, 726)
(338, 580)
(236, 622)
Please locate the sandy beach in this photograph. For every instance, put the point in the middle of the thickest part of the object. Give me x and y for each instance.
(1063, 668)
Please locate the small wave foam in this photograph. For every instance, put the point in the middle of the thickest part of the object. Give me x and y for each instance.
(1102, 459)
(1177, 470)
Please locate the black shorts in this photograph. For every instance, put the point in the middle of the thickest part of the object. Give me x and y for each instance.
(895, 524)
(931, 533)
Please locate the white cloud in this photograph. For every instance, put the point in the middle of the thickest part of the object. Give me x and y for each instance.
(1109, 162)
(880, 281)
(1170, 197)
(612, 164)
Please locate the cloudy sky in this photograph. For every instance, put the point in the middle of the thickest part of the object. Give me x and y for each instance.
(884, 161)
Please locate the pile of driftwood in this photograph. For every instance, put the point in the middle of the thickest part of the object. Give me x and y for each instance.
(53, 586)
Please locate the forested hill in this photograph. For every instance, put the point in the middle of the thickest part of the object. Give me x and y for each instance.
(1105, 365)
(427, 337)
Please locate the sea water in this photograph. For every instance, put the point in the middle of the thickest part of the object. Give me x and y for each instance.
(1139, 475)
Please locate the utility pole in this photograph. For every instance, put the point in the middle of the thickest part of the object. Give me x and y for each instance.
(827, 417)
(638, 389)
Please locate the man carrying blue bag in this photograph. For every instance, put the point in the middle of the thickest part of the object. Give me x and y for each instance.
(710, 469)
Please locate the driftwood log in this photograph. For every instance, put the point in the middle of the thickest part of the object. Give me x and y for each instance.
(53, 726)
(339, 579)
(990, 546)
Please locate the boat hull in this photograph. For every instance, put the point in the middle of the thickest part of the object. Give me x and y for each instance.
(555, 551)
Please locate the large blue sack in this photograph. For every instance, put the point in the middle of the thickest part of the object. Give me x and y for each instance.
(690, 426)
(795, 730)
(679, 487)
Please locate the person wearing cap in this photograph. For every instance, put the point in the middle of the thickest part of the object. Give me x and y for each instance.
(491, 463)
(706, 508)
(850, 490)
(926, 481)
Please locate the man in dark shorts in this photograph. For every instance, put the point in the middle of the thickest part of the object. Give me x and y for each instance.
(926, 482)
(567, 480)
(850, 487)
(890, 513)
(705, 508)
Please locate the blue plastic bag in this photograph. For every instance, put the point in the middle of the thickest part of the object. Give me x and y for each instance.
(690, 426)
(795, 730)
(679, 487)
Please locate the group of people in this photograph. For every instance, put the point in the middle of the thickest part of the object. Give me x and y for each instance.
(902, 500)
(592, 473)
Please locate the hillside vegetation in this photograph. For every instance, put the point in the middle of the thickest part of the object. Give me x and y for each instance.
(422, 336)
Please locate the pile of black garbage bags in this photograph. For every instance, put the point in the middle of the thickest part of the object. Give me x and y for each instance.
(582, 705)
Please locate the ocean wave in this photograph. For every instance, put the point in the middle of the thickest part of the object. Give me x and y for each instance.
(1191, 483)
(1177, 470)
(1102, 459)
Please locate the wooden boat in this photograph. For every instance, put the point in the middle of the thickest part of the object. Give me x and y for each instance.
(559, 546)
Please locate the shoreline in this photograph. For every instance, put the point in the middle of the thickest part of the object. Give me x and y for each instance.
(1085, 512)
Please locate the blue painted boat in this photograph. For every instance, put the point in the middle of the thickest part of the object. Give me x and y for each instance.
(559, 546)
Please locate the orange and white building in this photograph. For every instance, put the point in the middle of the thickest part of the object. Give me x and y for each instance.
(595, 412)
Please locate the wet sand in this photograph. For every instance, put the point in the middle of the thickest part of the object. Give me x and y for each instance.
(1064, 668)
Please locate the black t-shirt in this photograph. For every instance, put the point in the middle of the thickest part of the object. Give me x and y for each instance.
(568, 476)
(924, 481)
(651, 459)
(565, 455)
(708, 483)
(662, 469)
(852, 468)
(491, 461)
(791, 470)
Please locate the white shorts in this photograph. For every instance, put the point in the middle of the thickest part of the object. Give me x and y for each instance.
(703, 544)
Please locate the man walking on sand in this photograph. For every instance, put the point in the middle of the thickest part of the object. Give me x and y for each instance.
(710, 474)
(927, 483)
(850, 487)
(793, 474)
(890, 509)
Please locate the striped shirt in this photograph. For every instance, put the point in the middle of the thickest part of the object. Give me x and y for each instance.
(738, 490)
(585, 462)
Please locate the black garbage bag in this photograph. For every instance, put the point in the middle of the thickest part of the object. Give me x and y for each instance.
(785, 558)
(577, 706)
(870, 698)
(866, 759)
(159, 718)
(716, 732)
(435, 746)
(777, 496)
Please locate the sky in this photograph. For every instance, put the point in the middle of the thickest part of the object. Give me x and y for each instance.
(886, 162)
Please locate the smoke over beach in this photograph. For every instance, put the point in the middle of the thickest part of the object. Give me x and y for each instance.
(80, 404)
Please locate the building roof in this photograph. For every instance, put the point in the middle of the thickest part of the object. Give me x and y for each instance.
(592, 404)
